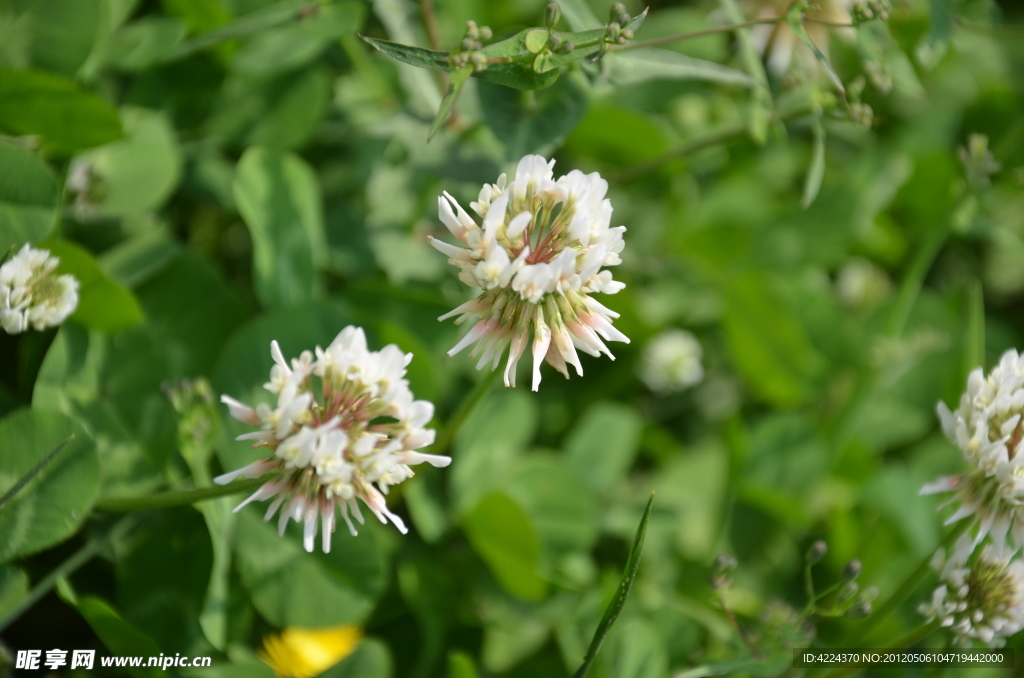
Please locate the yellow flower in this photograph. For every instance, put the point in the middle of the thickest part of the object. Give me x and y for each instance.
(305, 653)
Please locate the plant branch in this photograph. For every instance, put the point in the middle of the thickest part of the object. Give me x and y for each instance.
(664, 40)
(171, 499)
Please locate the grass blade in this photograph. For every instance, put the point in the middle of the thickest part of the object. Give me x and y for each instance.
(611, 613)
(33, 472)
(817, 169)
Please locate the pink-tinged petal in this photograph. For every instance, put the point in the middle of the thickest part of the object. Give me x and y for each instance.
(241, 411)
(946, 484)
(274, 505)
(514, 353)
(253, 470)
(482, 328)
(266, 491)
(474, 306)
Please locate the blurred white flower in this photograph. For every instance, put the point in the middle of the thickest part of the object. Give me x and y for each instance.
(983, 599)
(780, 45)
(30, 293)
(537, 258)
(672, 362)
(861, 284)
(987, 428)
(360, 437)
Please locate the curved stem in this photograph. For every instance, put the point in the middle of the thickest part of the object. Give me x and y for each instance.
(170, 499)
(907, 587)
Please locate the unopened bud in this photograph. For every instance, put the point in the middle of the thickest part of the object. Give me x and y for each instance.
(617, 9)
(627, 34)
(851, 571)
(552, 14)
(554, 41)
(486, 33)
(859, 611)
(566, 47)
(479, 61)
(869, 594)
(723, 564)
(613, 30)
(816, 552)
(469, 44)
(472, 30)
(847, 591)
(622, 19)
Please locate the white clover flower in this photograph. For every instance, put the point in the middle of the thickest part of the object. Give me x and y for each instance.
(987, 428)
(982, 600)
(31, 295)
(358, 439)
(780, 45)
(537, 257)
(672, 362)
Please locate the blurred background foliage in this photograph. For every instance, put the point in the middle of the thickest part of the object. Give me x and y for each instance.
(220, 173)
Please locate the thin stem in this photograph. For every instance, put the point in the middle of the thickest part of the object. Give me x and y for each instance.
(83, 555)
(33, 472)
(731, 616)
(907, 587)
(468, 404)
(1008, 31)
(170, 499)
(430, 24)
(915, 636)
(664, 40)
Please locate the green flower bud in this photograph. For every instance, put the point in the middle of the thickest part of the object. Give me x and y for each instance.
(552, 14)
(627, 34)
(566, 47)
(851, 571)
(617, 9)
(859, 611)
(554, 41)
(613, 30)
(847, 591)
(486, 33)
(472, 31)
(816, 552)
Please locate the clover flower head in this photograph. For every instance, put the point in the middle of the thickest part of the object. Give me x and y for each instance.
(983, 599)
(988, 429)
(345, 427)
(31, 295)
(537, 256)
(672, 362)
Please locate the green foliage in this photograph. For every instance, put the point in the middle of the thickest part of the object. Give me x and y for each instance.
(28, 197)
(502, 534)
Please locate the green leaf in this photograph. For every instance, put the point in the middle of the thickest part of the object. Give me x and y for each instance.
(103, 304)
(414, 56)
(816, 172)
(501, 533)
(527, 121)
(143, 43)
(290, 587)
(52, 506)
(488, 443)
(579, 15)
(602, 445)
(120, 637)
(767, 343)
(66, 116)
(13, 588)
(795, 19)
(611, 613)
(28, 197)
(31, 30)
(138, 173)
(650, 63)
(278, 196)
(587, 43)
(455, 84)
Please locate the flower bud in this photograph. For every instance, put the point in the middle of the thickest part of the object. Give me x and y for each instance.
(816, 552)
(552, 14)
(617, 9)
(847, 591)
(622, 19)
(723, 564)
(472, 31)
(851, 571)
(554, 41)
(613, 30)
(486, 33)
(869, 594)
(859, 611)
(627, 34)
(565, 47)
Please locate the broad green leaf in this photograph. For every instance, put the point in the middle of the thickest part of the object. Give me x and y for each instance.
(174, 551)
(795, 19)
(501, 533)
(602, 445)
(561, 507)
(52, 506)
(290, 587)
(120, 637)
(414, 56)
(488, 442)
(65, 115)
(28, 197)
(815, 173)
(767, 343)
(278, 195)
(13, 588)
(103, 304)
(579, 15)
(651, 63)
(456, 81)
(143, 43)
(618, 135)
(31, 29)
(200, 15)
(139, 172)
(529, 121)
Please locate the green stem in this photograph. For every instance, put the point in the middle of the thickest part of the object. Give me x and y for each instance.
(65, 569)
(170, 499)
(906, 588)
(915, 636)
(468, 404)
(664, 40)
